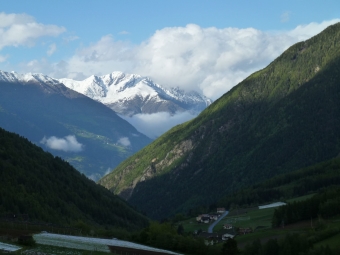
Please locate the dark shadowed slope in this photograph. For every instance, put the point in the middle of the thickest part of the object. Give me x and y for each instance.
(50, 190)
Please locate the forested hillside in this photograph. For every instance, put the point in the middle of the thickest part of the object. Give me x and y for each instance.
(325, 205)
(50, 190)
(310, 180)
(282, 118)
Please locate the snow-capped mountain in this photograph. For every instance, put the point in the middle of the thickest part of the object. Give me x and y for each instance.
(149, 107)
(130, 94)
(28, 77)
(66, 123)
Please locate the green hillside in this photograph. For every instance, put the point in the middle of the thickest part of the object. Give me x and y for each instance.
(281, 118)
(303, 182)
(313, 218)
(50, 190)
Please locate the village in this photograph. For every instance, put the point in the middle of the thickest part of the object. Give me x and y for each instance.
(229, 230)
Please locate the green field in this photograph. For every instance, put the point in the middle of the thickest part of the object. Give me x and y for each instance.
(254, 219)
(192, 225)
(327, 231)
(302, 198)
(332, 242)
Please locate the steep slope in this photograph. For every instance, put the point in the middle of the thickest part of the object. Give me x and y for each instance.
(281, 118)
(309, 180)
(130, 94)
(84, 132)
(50, 190)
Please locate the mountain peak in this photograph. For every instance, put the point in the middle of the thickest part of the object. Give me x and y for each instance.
(130, 94)
(28, 77)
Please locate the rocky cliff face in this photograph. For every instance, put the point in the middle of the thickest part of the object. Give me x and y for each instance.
(155, 166)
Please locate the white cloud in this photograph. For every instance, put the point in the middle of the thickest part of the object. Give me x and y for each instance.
(51, 49)
(68, 143)
(209, 60)
(109, 170)
(124, 141)
(3, 58)
(302, 32)
(70, 38)
(94, 177)
(22, 29)
(7, 20)
(155, 124)
(285, 17)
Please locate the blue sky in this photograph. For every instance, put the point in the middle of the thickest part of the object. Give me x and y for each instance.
(176, 43)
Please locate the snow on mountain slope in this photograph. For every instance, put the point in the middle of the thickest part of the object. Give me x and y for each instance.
(66, 123)
(130, 94)
(28, 77)
(149, 107)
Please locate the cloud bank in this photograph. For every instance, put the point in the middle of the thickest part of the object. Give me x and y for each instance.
(155, 124)
(52, 48)
(208, 60)
(68, 143)
(22, 30)
(124, 141)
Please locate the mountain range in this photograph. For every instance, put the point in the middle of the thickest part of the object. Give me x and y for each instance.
(279, 119)
(30, 110)
(86, 133)
(130, 94)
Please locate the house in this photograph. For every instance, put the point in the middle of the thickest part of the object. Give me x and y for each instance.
(228, 226)
(227, 236)
(221, 210)
(205, 219)
(210, 238)
(200, 217)
(214, 216)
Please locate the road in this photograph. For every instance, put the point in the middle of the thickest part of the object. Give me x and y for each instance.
(211, 227)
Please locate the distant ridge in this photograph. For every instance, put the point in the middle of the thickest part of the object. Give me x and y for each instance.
(55, 117)
(28, 77)
(130, 94)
